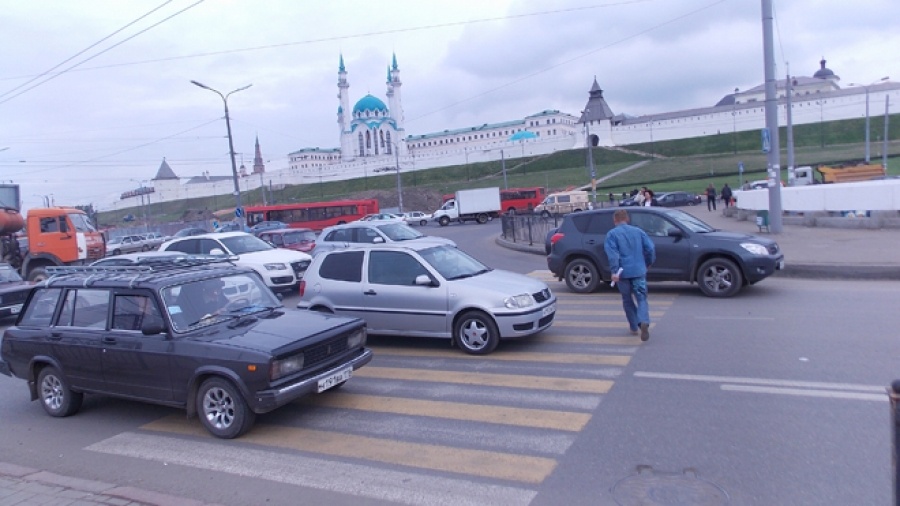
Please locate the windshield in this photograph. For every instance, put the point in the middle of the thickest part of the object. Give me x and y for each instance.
(299, 237)
(81, 222)
(452, 263)
(9, 275)
(212, 300)
(687, 221)
(400, 231)
(240, 244)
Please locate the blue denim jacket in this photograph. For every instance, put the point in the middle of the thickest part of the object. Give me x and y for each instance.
(631, 249)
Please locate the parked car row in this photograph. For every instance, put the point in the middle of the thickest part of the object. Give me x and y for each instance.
(134, 242)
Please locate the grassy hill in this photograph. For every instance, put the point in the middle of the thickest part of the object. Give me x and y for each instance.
(687, 164)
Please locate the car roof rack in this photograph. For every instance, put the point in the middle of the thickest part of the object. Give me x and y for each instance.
(140, 270)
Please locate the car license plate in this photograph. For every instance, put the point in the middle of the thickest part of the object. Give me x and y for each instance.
(549, 310)
(338, 377)
(780, 265)
(15, 309)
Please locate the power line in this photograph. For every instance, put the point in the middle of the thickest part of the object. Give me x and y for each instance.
(54, 76)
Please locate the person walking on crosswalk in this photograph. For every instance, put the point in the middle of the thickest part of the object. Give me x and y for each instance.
(631, 253)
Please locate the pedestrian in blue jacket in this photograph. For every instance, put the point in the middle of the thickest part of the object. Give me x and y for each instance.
(630, 252)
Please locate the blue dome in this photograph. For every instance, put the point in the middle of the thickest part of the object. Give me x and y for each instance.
(369, 103)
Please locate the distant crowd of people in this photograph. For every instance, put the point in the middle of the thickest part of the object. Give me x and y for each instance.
(645, 197)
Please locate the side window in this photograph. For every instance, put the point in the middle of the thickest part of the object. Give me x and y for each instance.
(49, 225)
(205, 246)
(130, 311)
(276, 239)
(394, 268)
(367, 236)
(341, 235)
(40, 311)
(654, 225)
(600, 224)
(563, 199)
(85, 307)
(343, 266)
(188, 246)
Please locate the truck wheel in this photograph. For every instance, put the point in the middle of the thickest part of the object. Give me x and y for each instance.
(423, 222)
(476, 333)
(481, 219)
(719, 277)
(582, 276)
(38, 274)
(57, 398)
(222, 410)
(444, 221)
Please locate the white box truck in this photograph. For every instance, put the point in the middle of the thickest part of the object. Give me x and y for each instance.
(479, 205)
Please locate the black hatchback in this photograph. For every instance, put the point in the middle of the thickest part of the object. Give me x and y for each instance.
(687, 249)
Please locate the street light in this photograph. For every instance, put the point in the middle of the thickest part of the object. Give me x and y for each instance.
(234, 173)
(399, 183)
(143, 207)
(590, 156)
(866, 87)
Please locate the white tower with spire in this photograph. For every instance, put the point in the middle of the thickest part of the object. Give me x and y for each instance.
(395, 103)
(343, 112)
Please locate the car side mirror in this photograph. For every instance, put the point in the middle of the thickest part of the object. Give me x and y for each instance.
(378, 240)
(674, 232)
(423, 280)
(152, 325)
(216, 251)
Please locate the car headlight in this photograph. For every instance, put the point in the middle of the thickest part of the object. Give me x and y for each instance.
(275, 267)
(518, 301)
(286, 366)
(756, 249)
(357, 338)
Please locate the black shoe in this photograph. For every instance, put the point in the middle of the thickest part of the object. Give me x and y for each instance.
(645, 331)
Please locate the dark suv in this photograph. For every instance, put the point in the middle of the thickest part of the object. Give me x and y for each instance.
(200, 335)
(687, 249)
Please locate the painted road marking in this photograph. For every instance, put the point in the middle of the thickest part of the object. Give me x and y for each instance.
(507, 356)
(488, 379)
(323, 474)
(762, 381)
(832, 394)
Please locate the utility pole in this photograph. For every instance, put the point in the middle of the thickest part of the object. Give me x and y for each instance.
(788, 89)
(884, 150)
(771, 130)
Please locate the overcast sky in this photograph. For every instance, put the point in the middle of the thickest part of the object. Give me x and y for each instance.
(93, 94)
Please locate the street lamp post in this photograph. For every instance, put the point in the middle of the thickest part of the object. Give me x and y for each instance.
(590, 156)
(399, 183)
(734, 120)
(866, 87)
(234, 174)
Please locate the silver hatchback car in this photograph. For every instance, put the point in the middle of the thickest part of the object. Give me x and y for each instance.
(364, 233)
(428, 290)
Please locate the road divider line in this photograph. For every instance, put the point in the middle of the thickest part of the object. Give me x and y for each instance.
(831, 394)
(484, 464)
(762, 381)
(550, 337)
(507, 356)
(529, 382)
(601, 312)
(604, 325)
(500, 415)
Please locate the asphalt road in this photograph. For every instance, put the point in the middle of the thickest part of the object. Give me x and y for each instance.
(775, 396)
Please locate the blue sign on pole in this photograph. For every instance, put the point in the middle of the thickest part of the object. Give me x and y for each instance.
(766, 141)
(239, 212)
(740, 167)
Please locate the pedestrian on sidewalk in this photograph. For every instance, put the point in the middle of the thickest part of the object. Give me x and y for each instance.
(630, 252)
(710, 197)
(726, 195)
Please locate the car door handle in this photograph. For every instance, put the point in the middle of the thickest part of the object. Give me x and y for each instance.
(56, 336)
(109, 340)
(370, 292)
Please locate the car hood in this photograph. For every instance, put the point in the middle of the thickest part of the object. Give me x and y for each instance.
(11, 286)
(276, 333)
(737, 237)
(275, 255)
(503, 283)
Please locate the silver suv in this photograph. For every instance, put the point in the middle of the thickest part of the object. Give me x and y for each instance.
(361, 233)
(428, 290)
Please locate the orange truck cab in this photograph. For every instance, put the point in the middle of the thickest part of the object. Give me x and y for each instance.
(59, 236)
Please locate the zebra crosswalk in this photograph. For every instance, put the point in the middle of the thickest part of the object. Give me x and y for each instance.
(424, 423)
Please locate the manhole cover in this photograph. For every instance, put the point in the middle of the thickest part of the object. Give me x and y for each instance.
(649, 487)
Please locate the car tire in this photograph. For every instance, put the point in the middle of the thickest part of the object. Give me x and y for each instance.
(719, 277)
(117, 252)
(582, 276)
(38, 274)
(423, 222)
(222, 409)
(476, 333)
(145, 248)
(481, 218)
(57, 398)
(444, 221)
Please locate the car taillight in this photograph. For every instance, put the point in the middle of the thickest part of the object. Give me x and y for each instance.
(302, 287)
(555, 237)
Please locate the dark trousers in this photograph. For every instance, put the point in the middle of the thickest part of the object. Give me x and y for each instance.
(710, 203)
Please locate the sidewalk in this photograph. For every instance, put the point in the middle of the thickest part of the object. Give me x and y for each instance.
(809, 252)
(23, 486)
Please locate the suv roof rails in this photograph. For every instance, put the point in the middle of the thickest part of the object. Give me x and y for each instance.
(143, 265)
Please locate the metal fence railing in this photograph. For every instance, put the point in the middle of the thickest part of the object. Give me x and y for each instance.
(530, 229)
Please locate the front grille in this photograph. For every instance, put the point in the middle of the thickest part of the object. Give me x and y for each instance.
(546, 320)
(522, 327)
(541, 296)
(321, 352)
(282, 280)
(300, 267)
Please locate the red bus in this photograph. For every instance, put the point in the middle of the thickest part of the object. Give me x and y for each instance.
(519, 200)
(314, 215)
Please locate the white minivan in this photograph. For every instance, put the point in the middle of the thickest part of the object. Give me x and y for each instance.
(563, 203)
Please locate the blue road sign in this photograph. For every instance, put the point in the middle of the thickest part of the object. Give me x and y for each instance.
(766, 141)
(239, 212)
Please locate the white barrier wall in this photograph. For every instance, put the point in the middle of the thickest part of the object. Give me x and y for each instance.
(881, 195)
